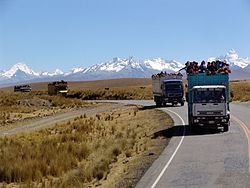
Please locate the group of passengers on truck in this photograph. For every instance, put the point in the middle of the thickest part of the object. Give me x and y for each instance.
(163, 74)
(211, 67)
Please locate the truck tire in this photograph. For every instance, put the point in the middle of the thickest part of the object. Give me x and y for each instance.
(225, 128)
(158, 104)
(182, 103)
(189, 121)
(195, 128)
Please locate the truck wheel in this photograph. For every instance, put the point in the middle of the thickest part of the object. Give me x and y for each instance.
(195, 128)
(190, 120)
(182, 103)
(225, 128)
(158, 104)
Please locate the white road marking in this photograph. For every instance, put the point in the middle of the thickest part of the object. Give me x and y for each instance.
(171, 158)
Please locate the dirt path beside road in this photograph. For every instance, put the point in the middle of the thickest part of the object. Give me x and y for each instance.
(34, 125)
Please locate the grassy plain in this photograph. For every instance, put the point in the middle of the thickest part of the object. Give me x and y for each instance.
(97, 84)
(241, 90)
(19, 106)
(114, 89)
(99, 150)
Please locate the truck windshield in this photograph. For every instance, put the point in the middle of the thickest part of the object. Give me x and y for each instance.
(206, 95)
(171, 87)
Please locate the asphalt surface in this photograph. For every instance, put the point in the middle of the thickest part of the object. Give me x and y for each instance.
(205, 159)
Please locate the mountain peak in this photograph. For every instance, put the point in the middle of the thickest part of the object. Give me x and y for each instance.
(232, 54)
(19, 67)
(232, 51)
(234, 60)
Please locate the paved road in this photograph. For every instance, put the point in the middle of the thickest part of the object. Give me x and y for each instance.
(208, 159)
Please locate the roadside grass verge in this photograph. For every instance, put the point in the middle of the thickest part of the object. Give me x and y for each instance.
(80, 152)
(241, 90)
(18, 106)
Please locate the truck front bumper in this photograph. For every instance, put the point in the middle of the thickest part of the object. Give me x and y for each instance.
(211, 121)
(173, 100)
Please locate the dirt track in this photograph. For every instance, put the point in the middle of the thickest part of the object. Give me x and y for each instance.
(35, 125)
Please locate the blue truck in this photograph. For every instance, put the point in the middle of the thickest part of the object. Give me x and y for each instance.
(168, 88)
(208, 101)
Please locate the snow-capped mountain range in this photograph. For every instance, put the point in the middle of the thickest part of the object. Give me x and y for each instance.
(118, 68)
(234, 60)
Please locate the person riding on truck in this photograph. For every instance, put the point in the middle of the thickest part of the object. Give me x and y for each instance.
(208, 96)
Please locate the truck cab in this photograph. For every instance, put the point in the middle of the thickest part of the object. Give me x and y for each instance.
(208, 101)
(173, 91)
(209, 106)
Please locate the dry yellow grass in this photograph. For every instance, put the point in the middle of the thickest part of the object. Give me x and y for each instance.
(19, 106)
(241, 90)
(97, 84)
(79, 152)
(128, 93)
(113, 83)
(127, 88)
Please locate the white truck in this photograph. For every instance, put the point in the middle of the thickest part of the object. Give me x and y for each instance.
(168, 88)
(208, 101)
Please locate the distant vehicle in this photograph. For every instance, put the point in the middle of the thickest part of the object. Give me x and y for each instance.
(59, 87)
(208, 100)
(168, 88)
(22, 88)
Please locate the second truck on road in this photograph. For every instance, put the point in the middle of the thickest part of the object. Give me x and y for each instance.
(168, 88)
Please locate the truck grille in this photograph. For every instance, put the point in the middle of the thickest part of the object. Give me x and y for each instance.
(174, 95)
(210, 112)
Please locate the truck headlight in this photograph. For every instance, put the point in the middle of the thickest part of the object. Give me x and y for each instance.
(196, 120)
(223, 120)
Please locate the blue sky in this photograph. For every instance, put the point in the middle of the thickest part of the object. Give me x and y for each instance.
(50, 34)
